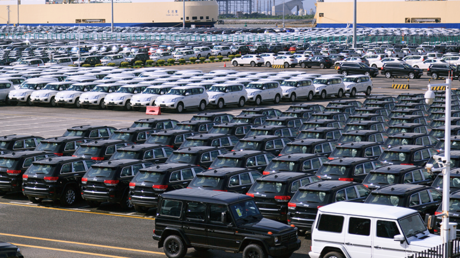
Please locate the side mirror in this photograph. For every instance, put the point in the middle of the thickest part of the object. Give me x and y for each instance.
(227, 91)
(298, 85)
(187, 93)
(223, 217)
(264, 88)
(399, 238)
(110, 91)
(328, 83)
(135, 92)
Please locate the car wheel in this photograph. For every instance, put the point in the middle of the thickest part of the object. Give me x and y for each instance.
(258, 101)
(268, 64)
(368, 91)
(367, 74)
(303, 65)
(77, 103)
(52, 102)
(127, 106)
(353, 93)
(235, 63)
(253, 64)
(242, 102)
(29, 102)
(125, 203)
(333, 255)
(254, 251)
(416, 66)
(310, 96)
(340, 94)
(286, 65)
(202, 105)
(322, 66)
(388, 75)
(344, 73)
(411, 75)
(34, 199)
(277, 99)
(374, 65)
(180, 107)
(69, 197)
(434, 76)
(93, 204)
(198, 56)
(220, 104)
(140, 208)
(102, 104)
(293, 97)
(323, 94)
(174, 247)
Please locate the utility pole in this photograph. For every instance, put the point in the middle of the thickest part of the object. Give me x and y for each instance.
(8, 8)
(183, 13)
(354, 24)
(18, 12)
(78, 46)
(283, 11)
(111, 29)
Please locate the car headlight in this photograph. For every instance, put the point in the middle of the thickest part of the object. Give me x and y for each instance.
(174, 100)
(252, 94)
(276, 239)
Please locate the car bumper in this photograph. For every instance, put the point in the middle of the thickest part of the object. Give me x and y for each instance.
(156, 237)
(144, 201)
(118, 103)
(99, 196)
(18, 99)
(90, 102)
(10, 186)
(313, 255)
(65, 101)
(167, 105)
(41, 100)
(140, 104)
(301, 223)
(45, 193)
(284, 249)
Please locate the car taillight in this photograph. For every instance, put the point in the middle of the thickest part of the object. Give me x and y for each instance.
(319, 206)
(221, 190)
(97, 158)
(330, 158)
(25, 177)
(160, 187)
(436, 213)
(111, 182)
(170, 146)
(59, 154)
(265, 173)
(51, 179)
(338, 67)
(292, 206)
(84, 180)
(74, 156)
(282, 198)
(345, 179)
(428, 69)
(250, 194)
(366, 186)
(407, 164)
(132, 185)
(13, 172)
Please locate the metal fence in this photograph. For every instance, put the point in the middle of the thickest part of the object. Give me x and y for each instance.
(438, 251)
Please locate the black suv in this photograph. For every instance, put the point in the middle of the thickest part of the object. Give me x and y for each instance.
(237, 180)
(441, 70)
(347, 169)
(305, 203)
(278, 130)
(269, 112)
(410, 139)
(347, 68)
(255, 160)
(417, 155)
(9, 250)
(90, 131)
(269, 143)
(99, 150)
(327, 133)
(362, 135)
(322, 61)
(311, 107)
(56, 179)
(216, 118)
(201, 156)
(19, 142)
(61, 146)
(108, 181)
(149, 183)
(253, 119)
(132, 58)
(306, 163)
(273, 192)
(170, 138)
(400, 69)
(201, 126)
(408, 128)
(14, 164)
(209, 219)
(397, 174)
(155, 153)
(159, 124)
(454, 181)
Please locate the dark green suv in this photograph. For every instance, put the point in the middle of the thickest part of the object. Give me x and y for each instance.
(205, 220)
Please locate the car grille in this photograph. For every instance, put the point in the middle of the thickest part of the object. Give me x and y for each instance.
(289, 237)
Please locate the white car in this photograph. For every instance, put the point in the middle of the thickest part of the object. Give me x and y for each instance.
(71, 96)
(161, 56)
(148, 96)
(357, 83)
(202, 52)
(184, 54)
(426, 64)
(183, 97)
(297, 88)
(411, 60)
(379, 63)
(286, 60)
(221, 95)
(5, 88)
(267, 91)
(116, 59)
(122, 97)
(48, 93)
(253, 60)
(268, 58)
(327, 86)
(97, 95)
(26, 89)
(221, 51)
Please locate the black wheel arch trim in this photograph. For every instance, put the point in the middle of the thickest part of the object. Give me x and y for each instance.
(173, 231)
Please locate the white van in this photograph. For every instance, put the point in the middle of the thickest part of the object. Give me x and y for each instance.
(361, 230)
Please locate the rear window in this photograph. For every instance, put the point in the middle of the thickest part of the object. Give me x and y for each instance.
(46, 146)
(344, 152)
(86, 150)
(296, 149)
(335, 170)
(193, 143)
(247, 145)
(276, 165)
(37, 169)
(181, 158)
(207, 182)
(7, 163)
(269, 187)
(383, 199)
(149, 177)
(100, 172)
(381, 179)
(158, 139)
(393, 141)
(220, 130)
(124, 155)
(309, 196)
(352, 138)
(394, 156)
(225, 162)
(74, 133)
(120, 136)
(330, 223)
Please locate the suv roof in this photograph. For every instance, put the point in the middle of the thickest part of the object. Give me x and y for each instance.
(224, 171)
(205, 196)
(367, 210)
(327, 185)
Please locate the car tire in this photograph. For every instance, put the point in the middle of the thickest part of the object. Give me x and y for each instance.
(29, 102)
(277, 99)
(254, 250)
(416, 66)
(310, 96)
(286, 65)
(198, 56)
(53, 102)
(127, 106)
(77, 103)
(323, 94)
(303, 65)
(235, 63)
(258, 100)
(293, 97)
(322, 66)
(220, 104)
(340, 94)
(125, 202)
(344, 73)
(368, 91)
(69, 197)
(334, 255)
(411, 76)
(34, 199)
(241, 102)
(268, 64)
(180, 107)
(174, 247)
(367, 74)
(388, 75)
(141, 209)
(353, 93)
(434, 76)
(309, 66)
(93, 204)
(202, 106)
(253, 64)
(374, 65)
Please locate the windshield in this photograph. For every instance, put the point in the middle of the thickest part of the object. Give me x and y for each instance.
(269, 187)
(29, 86)
(100, 172)
(184, 127)
(149, 177)
(158, 139)
(437, 133)
(124, 155)
(75, 88)
(257, 132)
(289, 149)
(394, 156)
(217, 88)
(74, 133)
(412, 225)
(320, 81)
(225, 162)
(176, 92)
(101, 89)
(383, 199)
(289, 83)
(188, 158)
(309, 136)
(276, 165)
(51, 87)
(350, 79)
(158, 91)
(200, 118)
(120, 136)
(344, 152)
(396, 130)
(126, 90)
(336, 170)
(47, 146)
(87, 150)
(381, 179)
(207, 182)
(351, 138)
(256, 86)
(393, 141)
(220, 130)
(245, 212)
(308, 196)
(192, 143)
(7, 162)
(240, 120)
(349, 128)
(454, 182)
(40, 169)
(247, 145)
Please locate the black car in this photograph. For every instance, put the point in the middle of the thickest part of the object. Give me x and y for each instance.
(56, 178)
(201, 156)
(292, 122)
(373, 110)
(400, 69)
(454, 181)
(108, 181)
(362, 135)
(236, 129)
(397, 174)
(322, 61)
(363, 149)
(269, 112)
(216, 118)
(327, 133)
(381, 104)
(381, 97)
(273, 192)
(440, 115)
(99, 150)
(19, 142)
(410, 139)
(347, 169)
(408, 128)
(302, 114)
(454, 144)
(341, 102)
(407, 111)
(150, 182)
(269, 143)
(454, 213)
(91, 60)
(347, 68)
(237, 180)
(170, 138)
(320, 147)
(278, 130)
(418, 119)
(134, 135)
(182, 213)
(254, 160)
(155, 153)
(424, 199)
(311, 107)
(417, 155)
(304, 205)
(10, 250)
(215, 140)
(343, 109)
(61, 146)
(88, 131)
(158, 124)
(305, 163)
(201, 126)
(254, 119)
(14, 164)
(443, 70)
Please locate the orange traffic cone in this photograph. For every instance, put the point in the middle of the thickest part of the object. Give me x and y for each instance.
(225, 64)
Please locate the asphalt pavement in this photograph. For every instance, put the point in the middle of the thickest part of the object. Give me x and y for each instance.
(47, 230)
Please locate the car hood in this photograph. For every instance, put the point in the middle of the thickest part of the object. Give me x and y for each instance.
(215, 94)
(252, 91)
(93, 94)
(266, 225)
(68, 93)
(145, 96)
(43, 92)
(117, 95)
(420, 244)
(19, 92)
(166, 98)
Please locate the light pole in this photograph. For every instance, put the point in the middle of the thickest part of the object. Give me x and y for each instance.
(354, 24)
(283, 13)
(183, 14)
(111, 29)
(18, 12)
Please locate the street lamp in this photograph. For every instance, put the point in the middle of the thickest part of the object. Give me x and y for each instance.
(283, 12)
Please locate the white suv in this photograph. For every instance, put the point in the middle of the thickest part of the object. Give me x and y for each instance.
(71, 96)
(97, 95)
(221, 51)
(379, 63)
(48, 94)
(116, 59)
(361, 230)
(286, 60)
(298, 88)
(161, 56)
(220, 95)
(357, 83)
(148, 96)
(253, 60)
(184, 54)
(266, 91)
(411, 60)
(326, 86)
(184, 97)
(122, 97)
(202, 52)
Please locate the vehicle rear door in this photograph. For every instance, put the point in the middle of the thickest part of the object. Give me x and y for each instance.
(220, 234)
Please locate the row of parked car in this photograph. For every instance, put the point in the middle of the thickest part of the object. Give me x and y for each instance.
(179, 90)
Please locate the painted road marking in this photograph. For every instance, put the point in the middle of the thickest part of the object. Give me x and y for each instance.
(68, 251)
